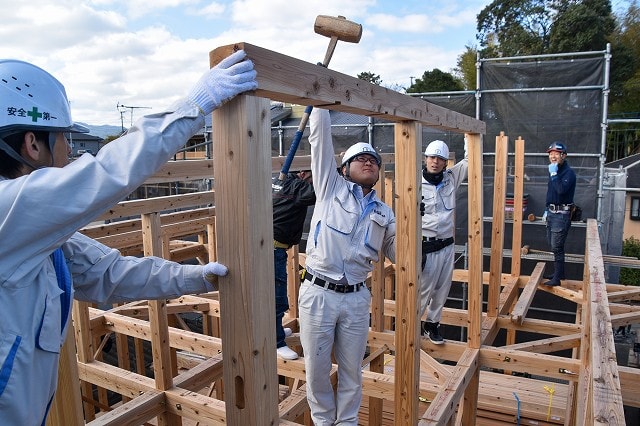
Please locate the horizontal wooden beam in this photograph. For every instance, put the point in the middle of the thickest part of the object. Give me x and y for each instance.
(286, 79)
(126, 209)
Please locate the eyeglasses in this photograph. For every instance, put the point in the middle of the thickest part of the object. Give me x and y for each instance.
(366, 159)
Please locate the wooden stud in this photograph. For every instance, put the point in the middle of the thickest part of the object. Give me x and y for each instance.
(408, 254)
(245, 244)
(497, 229)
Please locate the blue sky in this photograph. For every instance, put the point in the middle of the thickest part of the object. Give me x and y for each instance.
(150, 52)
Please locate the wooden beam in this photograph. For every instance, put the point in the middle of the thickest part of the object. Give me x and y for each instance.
(630, 385)
(518, 206)
(183, 170)
(526, 297)
(443, 407)
(295, 405)
(286, 79)
(245, 244)
(135, 412)
(161, 351)
(84, 350)
(438, 371)
(66, 408)
(377, 311)
(545, 346)
(599, 386)
(151, 205)
(475, 232)
(534, 363)
(497, 227)
(408, 255)
(619, 296)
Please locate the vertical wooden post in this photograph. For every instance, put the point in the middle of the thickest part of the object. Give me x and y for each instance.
(475, 231)
(518, 206)
(389, 281)
(244, 212)
(475, 234)
(516, 237)
(66, 409)
(408, 254)
(152, 241)
(293, 279)
(377, 314)
(84, 348)
(497, 232)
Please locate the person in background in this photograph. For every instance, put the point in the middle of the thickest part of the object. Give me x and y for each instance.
(560, 191)
(437, 209)
(291, 198)
(44, 261)
(349, 227)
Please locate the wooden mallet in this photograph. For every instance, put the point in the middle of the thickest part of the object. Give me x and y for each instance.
(336, 28)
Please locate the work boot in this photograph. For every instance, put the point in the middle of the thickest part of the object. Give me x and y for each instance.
(432, 332)
(553, 282)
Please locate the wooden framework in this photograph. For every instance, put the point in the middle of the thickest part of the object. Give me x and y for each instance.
(228, 374)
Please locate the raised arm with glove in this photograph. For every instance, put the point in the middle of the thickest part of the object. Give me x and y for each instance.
(231, 76)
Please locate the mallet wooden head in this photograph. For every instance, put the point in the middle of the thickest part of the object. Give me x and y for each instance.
(339, 27)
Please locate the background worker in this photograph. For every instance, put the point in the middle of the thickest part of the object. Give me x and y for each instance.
(44, 261)
(560, 191)
(438, 206)
(350, 225)
(291, 199)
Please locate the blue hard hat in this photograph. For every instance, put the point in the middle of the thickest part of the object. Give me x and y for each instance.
(557, 146)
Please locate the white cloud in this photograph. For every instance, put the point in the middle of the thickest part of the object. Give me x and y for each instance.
(149, 53)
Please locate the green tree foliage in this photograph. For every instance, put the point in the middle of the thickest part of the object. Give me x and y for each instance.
(514, 27)
(629, 276)
(466, 70)
(370, 77)
(435, 81)
(533, 27)
(581, 26)
(625, 62)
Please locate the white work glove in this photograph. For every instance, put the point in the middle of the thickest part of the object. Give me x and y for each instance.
(211, 271)
(553, 169)
(224, 81)
(466, 148)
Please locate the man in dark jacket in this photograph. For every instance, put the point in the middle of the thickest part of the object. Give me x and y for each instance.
(560, 191)
(291, 198)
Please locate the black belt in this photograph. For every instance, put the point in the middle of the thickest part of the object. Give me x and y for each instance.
(559, 208)
(338, 288)
(433, 244)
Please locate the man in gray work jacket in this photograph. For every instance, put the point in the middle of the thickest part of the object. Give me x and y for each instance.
(349, 227)
(44, 261)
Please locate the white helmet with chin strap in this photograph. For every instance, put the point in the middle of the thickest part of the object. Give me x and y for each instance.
(360, 148)
(31, 99)
(353, 151)
(437, 148)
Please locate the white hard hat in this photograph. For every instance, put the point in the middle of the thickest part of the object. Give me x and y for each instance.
(360, 148)
(32, 99)
(437, 148)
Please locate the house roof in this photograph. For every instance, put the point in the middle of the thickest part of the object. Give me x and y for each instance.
(632, 166)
